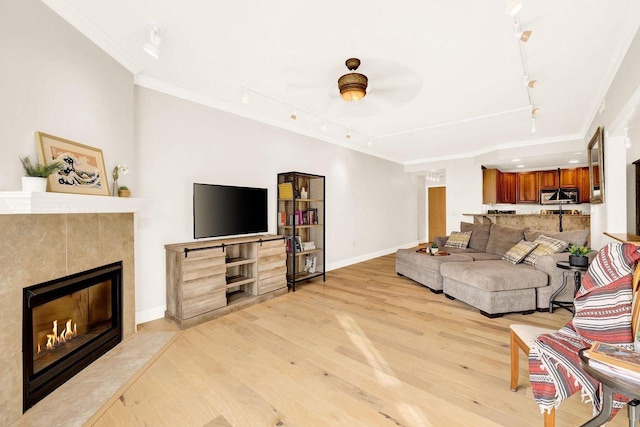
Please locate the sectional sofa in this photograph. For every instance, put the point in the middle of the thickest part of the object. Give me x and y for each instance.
(479, 276)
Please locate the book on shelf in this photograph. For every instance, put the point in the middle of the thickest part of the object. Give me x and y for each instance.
(616, 356)
(282, 218)
(285, 190)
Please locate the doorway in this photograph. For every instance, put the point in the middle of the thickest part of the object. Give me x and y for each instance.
(437, 202)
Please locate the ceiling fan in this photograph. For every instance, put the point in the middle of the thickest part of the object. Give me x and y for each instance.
(353, 86)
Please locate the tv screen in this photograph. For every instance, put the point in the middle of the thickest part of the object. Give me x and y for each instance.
(222, 210)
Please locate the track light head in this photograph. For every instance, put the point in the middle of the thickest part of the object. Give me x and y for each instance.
(152, 46)
(530, 83)
(514, 7)
(523, 36)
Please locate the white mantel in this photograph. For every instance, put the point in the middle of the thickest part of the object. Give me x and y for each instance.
(18, 202)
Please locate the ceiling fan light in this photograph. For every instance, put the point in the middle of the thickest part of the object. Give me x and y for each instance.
(353, 86)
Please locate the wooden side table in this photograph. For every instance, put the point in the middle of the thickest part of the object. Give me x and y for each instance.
(612, 383)
(577, 281)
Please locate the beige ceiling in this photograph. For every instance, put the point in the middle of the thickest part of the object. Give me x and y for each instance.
(446, 78)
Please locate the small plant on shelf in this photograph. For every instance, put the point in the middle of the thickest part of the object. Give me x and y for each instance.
(434, 248)
(576, 250)
(39, 170)
(577, 257)
(123, 191)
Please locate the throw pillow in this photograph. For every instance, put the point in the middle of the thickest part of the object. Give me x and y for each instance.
(517, 253)
(479, 235)
(458, 239)
(546, 246)
(579, 237)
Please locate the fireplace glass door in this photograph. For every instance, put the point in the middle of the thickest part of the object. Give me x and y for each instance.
(67, 324)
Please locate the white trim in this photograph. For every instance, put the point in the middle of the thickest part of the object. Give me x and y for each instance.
(19, 202)
(366, 257)
(150, 314)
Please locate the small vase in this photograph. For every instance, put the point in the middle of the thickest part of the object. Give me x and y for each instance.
(578, 261)
(114, 193)
(34, 184)
(434, 251)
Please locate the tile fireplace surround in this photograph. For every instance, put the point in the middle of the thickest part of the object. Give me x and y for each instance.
(41, 247)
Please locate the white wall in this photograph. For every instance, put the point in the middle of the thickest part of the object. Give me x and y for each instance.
(621, 99)
(371, 204)
(54, 80)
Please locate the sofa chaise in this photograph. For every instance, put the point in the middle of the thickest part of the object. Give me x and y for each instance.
(479, 276)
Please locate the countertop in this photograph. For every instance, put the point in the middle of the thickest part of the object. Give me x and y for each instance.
(529, 214)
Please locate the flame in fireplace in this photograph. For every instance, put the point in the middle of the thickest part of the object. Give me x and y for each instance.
(55, 340)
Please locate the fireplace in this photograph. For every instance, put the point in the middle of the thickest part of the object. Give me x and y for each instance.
(67, 324)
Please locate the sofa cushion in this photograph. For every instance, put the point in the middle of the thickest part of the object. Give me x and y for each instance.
(502, 238)
(517, 253)
(578, 237)
(546, 246)
(479, 235)
(495, 276)
(458, 239)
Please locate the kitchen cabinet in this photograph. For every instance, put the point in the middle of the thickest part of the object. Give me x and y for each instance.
(509, 186)
(548, 179)
(569, 178)
(491, 186)
(524, 187)
(583, 185)
(528, 190)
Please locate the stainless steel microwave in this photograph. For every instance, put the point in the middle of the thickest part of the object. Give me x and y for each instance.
(546, 194)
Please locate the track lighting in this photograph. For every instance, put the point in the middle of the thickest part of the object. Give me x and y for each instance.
(627, 140)
(533, 125)
(530, 83)
(535, 111)
(524, 35)
(293, 115)
(152, 47)
(514, 7)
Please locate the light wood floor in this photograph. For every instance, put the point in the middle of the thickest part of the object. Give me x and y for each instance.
(364, 348)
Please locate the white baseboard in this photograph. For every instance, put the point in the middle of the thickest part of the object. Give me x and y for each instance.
(150, 314)
(366, 257)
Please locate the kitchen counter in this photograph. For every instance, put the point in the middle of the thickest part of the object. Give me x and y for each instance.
(546, 222)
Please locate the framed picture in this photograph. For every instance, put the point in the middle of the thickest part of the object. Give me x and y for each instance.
(83, 170)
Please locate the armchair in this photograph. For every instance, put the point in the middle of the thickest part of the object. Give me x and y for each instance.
(608, 296)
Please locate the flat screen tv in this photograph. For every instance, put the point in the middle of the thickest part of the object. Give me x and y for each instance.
(223, 210)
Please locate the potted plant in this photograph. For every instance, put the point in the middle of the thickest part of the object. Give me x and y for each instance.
(577, 257)
(123, 191)
(434, 248)
(35, 178)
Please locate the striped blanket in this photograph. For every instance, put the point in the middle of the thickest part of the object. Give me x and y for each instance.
(602, 313)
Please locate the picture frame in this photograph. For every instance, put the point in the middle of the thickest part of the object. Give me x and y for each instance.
(83, 170)
(595, 154)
